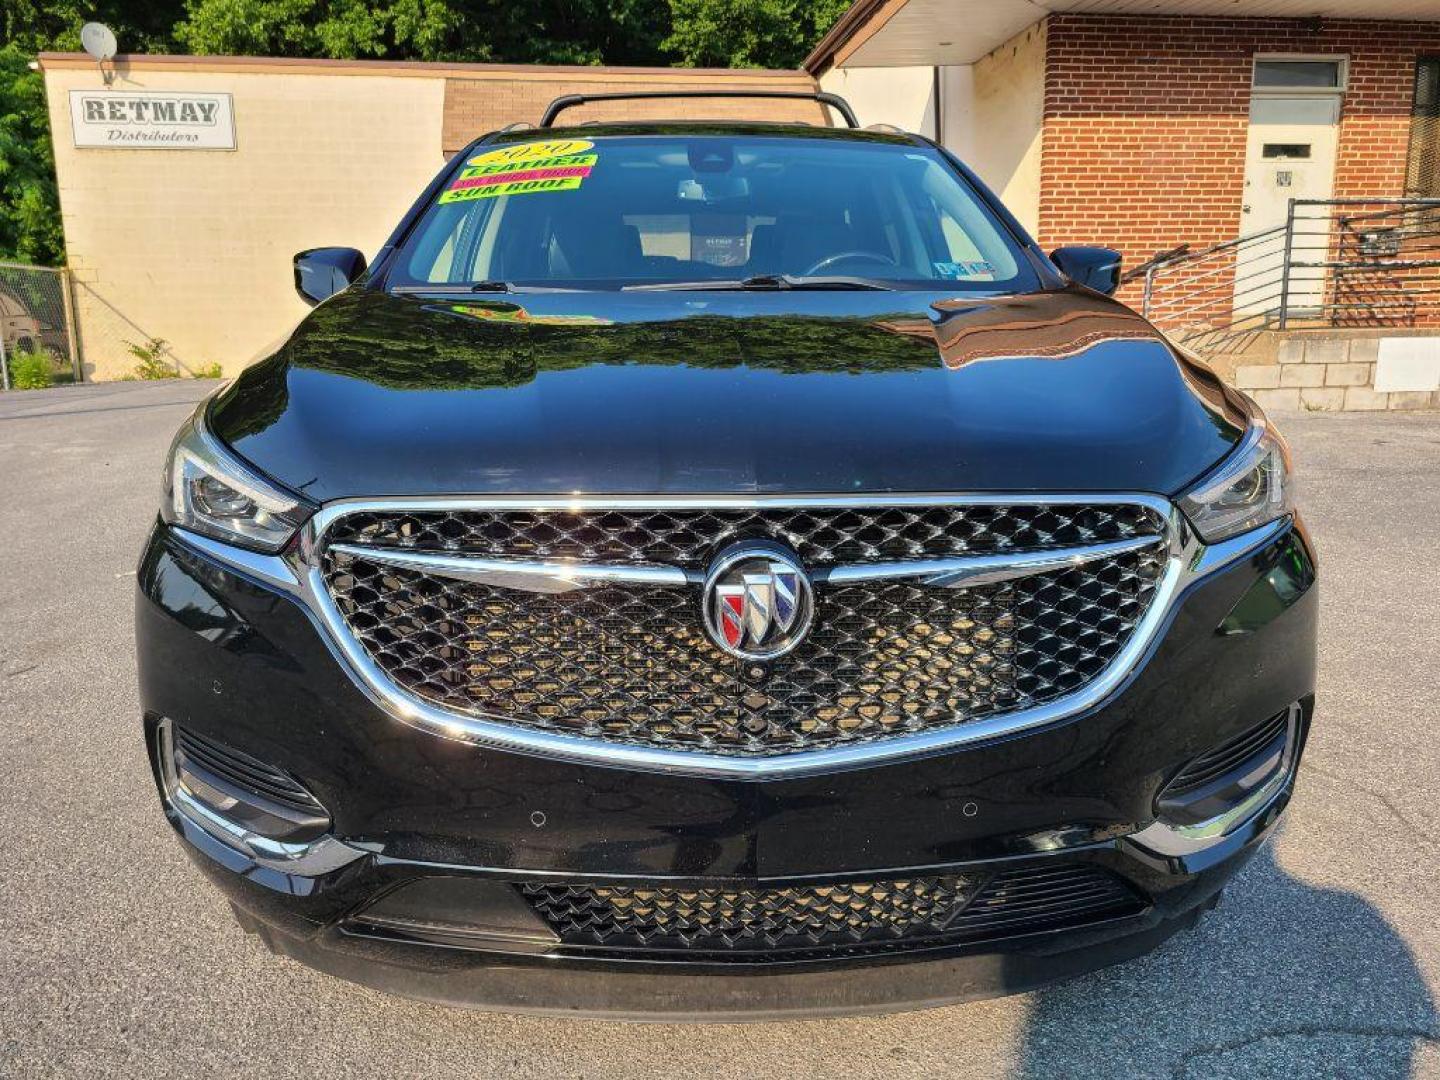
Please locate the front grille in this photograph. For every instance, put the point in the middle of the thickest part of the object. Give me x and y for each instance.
(247, 772)
(689, 538)
(633, 663)
(816, 920)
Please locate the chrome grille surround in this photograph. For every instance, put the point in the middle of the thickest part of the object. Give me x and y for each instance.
(880, 727)
(688, 537)
(632, 662)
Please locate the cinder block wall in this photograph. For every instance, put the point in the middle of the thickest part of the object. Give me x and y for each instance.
(1145, 121)
(1325, 373)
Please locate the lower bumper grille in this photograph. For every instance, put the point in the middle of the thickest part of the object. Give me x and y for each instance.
(819, 920)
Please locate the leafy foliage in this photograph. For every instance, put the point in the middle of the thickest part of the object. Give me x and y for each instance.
(151, 355)
(29, 206)
(30, 369)
(749, 33)
(539, 31)
(691, 33)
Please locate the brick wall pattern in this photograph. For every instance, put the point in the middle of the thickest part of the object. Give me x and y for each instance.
(1145, 121)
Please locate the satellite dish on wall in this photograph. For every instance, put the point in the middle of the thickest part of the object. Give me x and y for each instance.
(98, 40)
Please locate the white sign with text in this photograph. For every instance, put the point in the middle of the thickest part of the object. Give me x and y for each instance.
(119, 121)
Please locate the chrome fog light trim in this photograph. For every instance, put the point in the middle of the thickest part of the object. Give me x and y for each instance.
(309, 859)
(1165, 838)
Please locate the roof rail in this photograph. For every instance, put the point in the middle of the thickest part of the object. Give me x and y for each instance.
(569, 101)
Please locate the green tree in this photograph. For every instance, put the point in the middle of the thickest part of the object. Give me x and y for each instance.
(539, 31)
(139, 25)
(29, 208)
(748, 33)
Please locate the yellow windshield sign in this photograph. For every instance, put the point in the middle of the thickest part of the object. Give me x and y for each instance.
(528, 169)
(534, 151)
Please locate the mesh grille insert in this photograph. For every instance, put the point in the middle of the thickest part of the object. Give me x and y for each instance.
(633, 664)
(688, 538)
(816, 919)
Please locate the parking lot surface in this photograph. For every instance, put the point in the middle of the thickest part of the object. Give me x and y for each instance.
(116, 958)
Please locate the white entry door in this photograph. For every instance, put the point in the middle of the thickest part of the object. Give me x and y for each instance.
(1290, 154)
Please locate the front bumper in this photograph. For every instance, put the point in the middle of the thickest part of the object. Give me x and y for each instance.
(240, 662)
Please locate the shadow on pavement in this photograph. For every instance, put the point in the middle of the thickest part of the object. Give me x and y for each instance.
(1283, 979)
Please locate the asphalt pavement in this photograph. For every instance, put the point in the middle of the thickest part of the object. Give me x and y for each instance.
(117, 959)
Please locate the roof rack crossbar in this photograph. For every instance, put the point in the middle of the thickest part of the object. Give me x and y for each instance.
(570, 101)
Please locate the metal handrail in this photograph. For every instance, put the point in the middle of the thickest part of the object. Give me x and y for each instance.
(1334, 260)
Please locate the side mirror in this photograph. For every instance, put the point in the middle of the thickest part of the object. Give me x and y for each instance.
(1096, 268)
(320, 273)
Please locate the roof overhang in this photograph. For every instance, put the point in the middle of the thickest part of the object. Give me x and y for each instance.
(926, 33)
(284, 65)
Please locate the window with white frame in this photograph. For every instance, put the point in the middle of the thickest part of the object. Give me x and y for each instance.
(1299, 74)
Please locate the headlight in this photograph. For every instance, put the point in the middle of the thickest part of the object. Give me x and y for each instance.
(1249, 491)
(209, 491)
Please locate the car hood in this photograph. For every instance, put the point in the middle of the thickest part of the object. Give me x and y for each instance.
(726, 392)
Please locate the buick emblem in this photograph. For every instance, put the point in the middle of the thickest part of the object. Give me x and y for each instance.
(758, 602)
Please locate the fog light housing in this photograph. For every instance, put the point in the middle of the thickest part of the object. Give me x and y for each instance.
(1225, 787)
(1228, 774)
(233, 796)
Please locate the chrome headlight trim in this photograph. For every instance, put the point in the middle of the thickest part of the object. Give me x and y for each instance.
(266, 517)
(1250, 488)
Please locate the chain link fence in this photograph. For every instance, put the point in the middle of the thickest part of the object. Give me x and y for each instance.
(38, 346)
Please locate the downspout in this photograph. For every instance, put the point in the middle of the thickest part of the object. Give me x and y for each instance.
(939, 121)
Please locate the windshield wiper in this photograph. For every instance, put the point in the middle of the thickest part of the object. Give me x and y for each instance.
(450, 290)
(764, 283)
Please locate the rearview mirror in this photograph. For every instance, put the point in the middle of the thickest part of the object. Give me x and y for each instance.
(1096, 268)
(320, 273)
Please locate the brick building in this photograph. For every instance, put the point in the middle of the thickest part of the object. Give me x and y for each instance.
(1145, 124)
(1278, 151)
(1139, 124)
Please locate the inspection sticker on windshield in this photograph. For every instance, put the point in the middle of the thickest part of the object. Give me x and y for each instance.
(956, 270)
(528, 169)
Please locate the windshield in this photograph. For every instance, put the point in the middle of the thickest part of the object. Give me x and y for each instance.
(616, 212)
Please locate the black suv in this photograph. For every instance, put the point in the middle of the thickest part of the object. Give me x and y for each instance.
(722, 570)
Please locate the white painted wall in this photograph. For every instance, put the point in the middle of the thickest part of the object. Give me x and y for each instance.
(194, 246)
(992, 112)
(1005, 119)
(903, 96)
